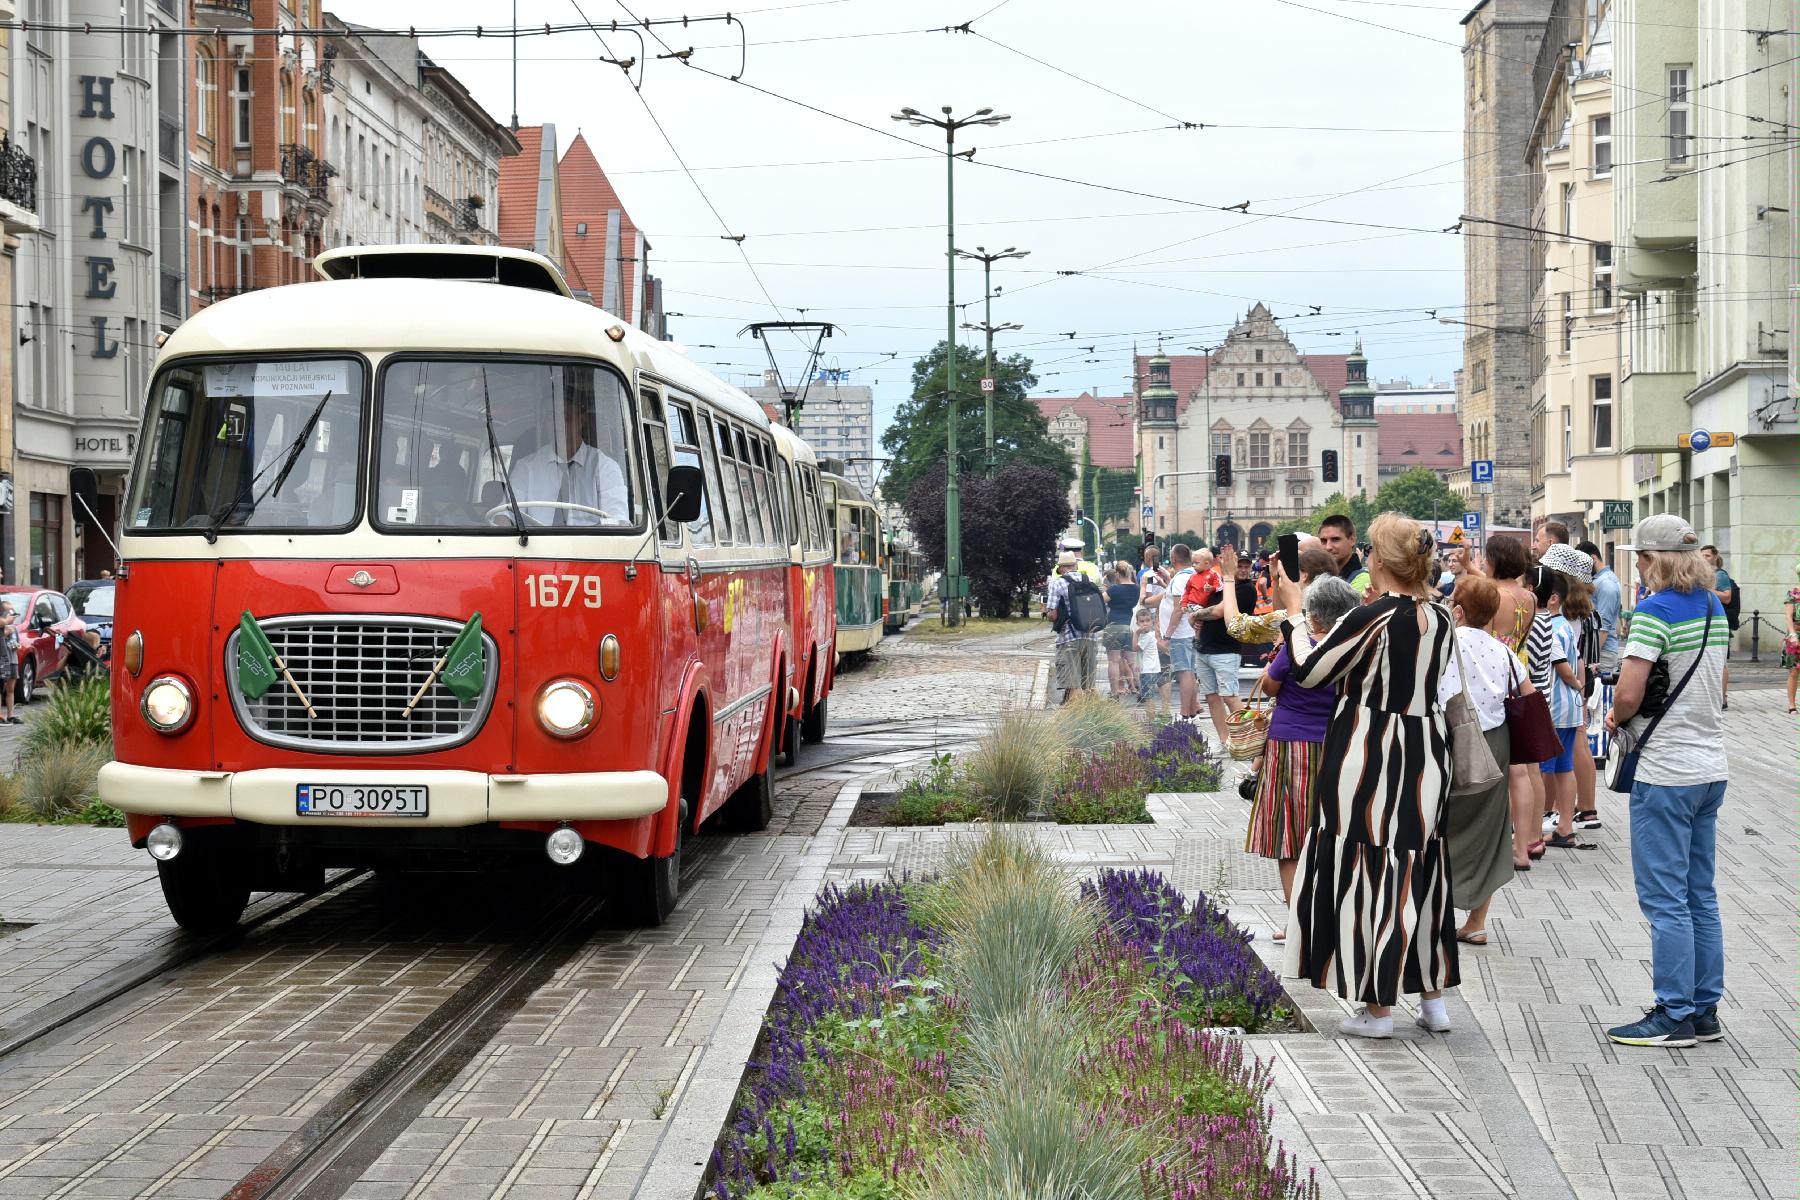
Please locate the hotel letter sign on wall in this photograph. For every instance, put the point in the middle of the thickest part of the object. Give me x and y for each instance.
(98, 158)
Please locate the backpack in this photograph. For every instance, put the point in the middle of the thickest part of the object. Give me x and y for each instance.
(1731, 609)
(1087, 607)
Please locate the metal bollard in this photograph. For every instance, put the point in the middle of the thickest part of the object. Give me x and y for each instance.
(1755, 634)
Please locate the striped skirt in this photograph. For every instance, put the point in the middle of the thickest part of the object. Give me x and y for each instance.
(1284, 795)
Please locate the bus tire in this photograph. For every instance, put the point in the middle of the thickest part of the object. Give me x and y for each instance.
(206, 893)
(648, 888)
(812, 725)
(790, 740)
(752, 806)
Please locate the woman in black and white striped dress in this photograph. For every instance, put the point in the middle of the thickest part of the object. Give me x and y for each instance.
(1371, 916)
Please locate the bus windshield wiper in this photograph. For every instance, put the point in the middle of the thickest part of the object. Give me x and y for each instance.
(287, 462)
(487, 416)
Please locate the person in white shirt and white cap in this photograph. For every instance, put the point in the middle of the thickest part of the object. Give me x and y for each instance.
(1074, 545)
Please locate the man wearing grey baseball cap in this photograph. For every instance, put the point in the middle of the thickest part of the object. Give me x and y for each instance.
(1671, 683)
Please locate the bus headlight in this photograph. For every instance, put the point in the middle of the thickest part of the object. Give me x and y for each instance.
(565, 708)
(168, 704)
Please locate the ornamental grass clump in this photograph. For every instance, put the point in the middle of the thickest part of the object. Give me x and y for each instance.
(1092, 724)
(60, 780)
(1010, 771)
(1012, 945)
(78, 714)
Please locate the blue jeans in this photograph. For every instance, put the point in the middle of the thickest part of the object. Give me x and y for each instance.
(1672, 834)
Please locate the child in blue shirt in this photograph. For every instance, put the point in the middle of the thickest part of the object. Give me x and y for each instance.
(1570, 602)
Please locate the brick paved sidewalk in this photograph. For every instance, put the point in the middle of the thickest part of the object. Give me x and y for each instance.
(1526, 1097)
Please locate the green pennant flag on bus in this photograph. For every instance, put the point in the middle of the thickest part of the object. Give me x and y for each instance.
(465, 665)
(255, 658)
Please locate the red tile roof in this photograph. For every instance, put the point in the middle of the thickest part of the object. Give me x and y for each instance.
(1188, 372)
(1109, 429)
(587, 196)
(1419, 440)
(519, 190)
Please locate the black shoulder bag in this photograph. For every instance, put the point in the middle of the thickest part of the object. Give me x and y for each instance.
(1621, 774)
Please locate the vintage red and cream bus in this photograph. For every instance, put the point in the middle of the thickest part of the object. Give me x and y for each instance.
(428, 564)
(812, 594)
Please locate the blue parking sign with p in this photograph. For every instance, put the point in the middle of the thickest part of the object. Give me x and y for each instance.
(1471, 521)
(1481, 471)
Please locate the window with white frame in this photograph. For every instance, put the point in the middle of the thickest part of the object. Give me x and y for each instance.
(1681, 138)
(206, 89)
(1603, 161)
(1602, 425)
(1568, 322)
(1221, 444)
(1259, 450)
(1568, 208)
(1603, 276)
(240, 108)
(1568, 438)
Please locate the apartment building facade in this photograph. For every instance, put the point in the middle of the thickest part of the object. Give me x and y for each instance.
(1575, 315)
(1704, 265)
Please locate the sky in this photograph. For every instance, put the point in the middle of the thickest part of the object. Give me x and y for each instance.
(1308, 108)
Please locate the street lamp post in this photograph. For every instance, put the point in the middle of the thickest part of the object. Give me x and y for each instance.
(987, 262)
(952, 496)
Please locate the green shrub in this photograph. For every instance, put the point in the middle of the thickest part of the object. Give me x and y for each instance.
(99, 813)
(1010, 771)
(936, 797)
(77, 714)
(1092, 724)
(9, 794)
(60, 780)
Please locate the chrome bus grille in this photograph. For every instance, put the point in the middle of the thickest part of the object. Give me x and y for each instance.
(360, 672)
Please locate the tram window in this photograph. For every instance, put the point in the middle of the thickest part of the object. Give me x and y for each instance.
(687, 453)
(256, 444)
(818, 525)
(787, 503)
(656, 441)
(731, 461)
(723, 480)
(759, 479)
(871, 536)
(562, 432)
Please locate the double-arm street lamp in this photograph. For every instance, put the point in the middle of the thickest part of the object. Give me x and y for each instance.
(952, 499)
(987, 325)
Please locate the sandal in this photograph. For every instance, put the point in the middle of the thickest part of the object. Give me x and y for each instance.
(1536, 849)
(1475, 937)
(1522, 866)
(1280, 935)
(1567, 841)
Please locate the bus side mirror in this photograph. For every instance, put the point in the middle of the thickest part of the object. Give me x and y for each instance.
(685, 489)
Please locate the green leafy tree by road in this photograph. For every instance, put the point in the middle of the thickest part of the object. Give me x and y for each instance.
(1420, 493)
(917, 440)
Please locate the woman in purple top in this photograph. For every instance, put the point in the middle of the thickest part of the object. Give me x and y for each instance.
(1282, 812)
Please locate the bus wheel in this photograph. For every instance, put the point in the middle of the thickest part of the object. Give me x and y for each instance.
(812, 726)
(790, 740)
(753, 805)
(649, 887)
(206, 893)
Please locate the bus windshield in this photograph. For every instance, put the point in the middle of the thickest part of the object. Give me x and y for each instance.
(454, 434)
(253, 443)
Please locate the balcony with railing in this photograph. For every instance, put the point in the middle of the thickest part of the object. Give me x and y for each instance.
(231, 15)
(168, 138)
(305, 171)
(468, 215)
(18, 187)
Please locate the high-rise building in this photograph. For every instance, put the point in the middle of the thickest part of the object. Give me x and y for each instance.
(1704, 269)
(100, 118)
(837, 420)
(1498, 36)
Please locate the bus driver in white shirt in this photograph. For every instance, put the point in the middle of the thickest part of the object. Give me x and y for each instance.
(585, 478)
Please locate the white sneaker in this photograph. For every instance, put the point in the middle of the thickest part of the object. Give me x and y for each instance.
(1364, 1026)
(1435, 1025)
(1550, 823)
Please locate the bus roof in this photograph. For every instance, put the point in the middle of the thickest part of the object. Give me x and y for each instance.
(849, 490)
(504, 265)
(383, 316)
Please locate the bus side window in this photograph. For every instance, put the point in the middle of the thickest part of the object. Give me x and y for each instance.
(687, 453)
(733, 447)
(791, 530)
(765, 496)
(721, 473)
(656, 441)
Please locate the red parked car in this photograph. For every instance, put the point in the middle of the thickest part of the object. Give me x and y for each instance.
(45, 617)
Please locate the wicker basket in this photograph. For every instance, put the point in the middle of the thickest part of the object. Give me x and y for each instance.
(1247, 729)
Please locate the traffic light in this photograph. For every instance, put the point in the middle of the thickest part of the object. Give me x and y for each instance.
(1222, 470)
(1328, 465)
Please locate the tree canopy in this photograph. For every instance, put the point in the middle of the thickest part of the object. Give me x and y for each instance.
(1010, 520)
(1420, 493)
(917, 439)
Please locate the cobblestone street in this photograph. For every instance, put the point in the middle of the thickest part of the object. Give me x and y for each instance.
(613, 1076)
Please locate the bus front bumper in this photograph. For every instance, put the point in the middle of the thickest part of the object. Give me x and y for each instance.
(268, 796)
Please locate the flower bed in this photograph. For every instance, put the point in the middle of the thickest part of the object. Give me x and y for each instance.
(929, 1039)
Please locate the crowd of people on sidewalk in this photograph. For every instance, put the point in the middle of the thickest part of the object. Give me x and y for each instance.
(1424, 728)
